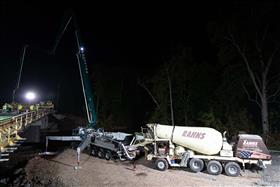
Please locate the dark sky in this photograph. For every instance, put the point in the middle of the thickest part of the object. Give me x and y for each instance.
(131, 35)
(138, 35)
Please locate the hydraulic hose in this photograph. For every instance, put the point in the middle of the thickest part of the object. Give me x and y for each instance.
(126, 152)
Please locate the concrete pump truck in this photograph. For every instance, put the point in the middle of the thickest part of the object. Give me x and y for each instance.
(102, 144)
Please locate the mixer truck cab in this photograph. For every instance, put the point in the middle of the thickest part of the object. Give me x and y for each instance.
(202, 148)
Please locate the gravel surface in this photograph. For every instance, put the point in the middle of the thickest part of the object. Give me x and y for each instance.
(59, 171)
(271, 175)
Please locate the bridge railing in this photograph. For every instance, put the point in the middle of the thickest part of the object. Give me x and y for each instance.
(10, 127)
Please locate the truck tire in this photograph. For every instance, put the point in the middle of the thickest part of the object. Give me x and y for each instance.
(214, 167)
(93, 151)
(108, 155)
(161, 164)
(196, 164)
(232, 169)
(100, 153)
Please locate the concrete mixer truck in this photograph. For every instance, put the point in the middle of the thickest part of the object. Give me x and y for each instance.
(202, 147)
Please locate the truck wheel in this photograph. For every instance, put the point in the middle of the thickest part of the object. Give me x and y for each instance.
(108, 155)
(161, 164)
(214, 167)
(93, 151)
(232, 169)
(100, 153)
(196, 165)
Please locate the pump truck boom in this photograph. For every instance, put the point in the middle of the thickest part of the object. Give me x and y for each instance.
(103, 144)
(83, 69)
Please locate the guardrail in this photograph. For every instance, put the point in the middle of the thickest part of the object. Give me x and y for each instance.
(10, 127)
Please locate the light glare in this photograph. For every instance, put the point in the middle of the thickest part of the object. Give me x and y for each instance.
(30, 96)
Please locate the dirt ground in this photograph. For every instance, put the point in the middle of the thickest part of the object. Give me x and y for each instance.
(59, 171)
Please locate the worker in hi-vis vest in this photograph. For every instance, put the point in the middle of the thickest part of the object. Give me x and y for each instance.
(31, 107)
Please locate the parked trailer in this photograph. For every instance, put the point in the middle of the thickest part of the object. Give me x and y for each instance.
(197, 148)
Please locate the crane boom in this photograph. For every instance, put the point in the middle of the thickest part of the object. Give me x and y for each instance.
(89, 137)
(83, 69)
(91, 115)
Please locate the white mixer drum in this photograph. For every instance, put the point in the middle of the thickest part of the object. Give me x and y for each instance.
(200, 139)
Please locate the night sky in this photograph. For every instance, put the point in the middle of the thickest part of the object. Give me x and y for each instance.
(135, 36)
(139, 36)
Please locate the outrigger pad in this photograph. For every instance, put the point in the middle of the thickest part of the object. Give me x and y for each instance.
(252, 147)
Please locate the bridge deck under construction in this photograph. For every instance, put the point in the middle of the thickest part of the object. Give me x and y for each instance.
(3, 118)
(11, 125)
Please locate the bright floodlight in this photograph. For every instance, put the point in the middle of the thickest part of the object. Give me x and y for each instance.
(30, 96)
(82, 48)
